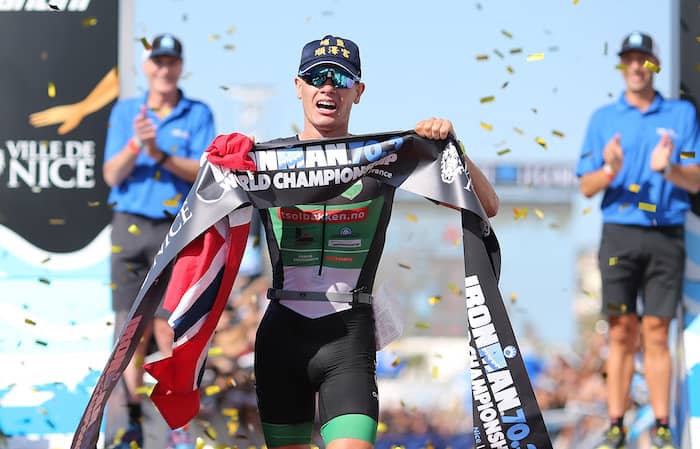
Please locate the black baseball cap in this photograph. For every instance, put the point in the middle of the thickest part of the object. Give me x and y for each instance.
(331, 50)
(166, 45)
(637, 41)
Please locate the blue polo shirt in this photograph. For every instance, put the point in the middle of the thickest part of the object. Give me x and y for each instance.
(151, 190)
(639, 133)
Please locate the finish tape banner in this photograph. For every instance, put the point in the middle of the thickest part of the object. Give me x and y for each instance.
(272, 175)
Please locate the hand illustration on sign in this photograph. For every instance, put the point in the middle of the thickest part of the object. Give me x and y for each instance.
(70, 115)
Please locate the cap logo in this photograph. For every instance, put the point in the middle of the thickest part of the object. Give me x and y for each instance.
(325, 48)
(635, 39)
(167, 42)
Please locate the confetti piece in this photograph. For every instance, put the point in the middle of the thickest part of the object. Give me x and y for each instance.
(52, 90)
(534, 110)
(212, 390)
(412, 218)
(554, 225)
(231, 30)
(621, 67)
(519, 213)
(623, 206)
(647, 207)
(45, 260)
(534, 57)
(116, 249)
(224, 88)
(634, 188)
(89, 22)
(396, 362)
(113, 286)
(488, 99)
(504, 85)
(93, 203)
(575, 2)
(230, 412)
(541, 142)
(558, 133)
(156, 176)
(30, 322)
(617, 308)
(519, 131)
(435, 372)
(381, 427)
(213, 37)
(507, 34)
(199, 443)
(54, 7)
(108, 323)
(486, 126)
(57, 221)
(173, 202)
(651, 66)
(215, 351)
(612, 261)
(210, 431)
(119, 434)
(687, 154)
(145, 43)
(434, 300)
(697, 38)
(500, 55)
(144, 390)
(186, 76)
(44, 281)
(134, 445)
(229, 47)
(422, 325)
(482, 57)
(513, 297)
(231, 382)
(586, 211)
(539, 214)
(503, 151)
(510, 69)
(232, 427)
(41, 342)
(133, 229)
(404, 266)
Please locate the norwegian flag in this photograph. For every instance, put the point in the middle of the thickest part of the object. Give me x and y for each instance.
(199, 287)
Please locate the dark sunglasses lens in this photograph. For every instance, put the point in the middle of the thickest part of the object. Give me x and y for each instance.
(318, 78)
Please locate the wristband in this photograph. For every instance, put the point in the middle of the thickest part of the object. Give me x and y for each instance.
(607, 169)
(134, 146)
(164, 157)
(667, 169)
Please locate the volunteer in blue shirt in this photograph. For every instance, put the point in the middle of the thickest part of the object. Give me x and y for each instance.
(152, 154)
(641, 151)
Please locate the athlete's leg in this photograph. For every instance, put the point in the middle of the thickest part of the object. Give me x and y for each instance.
(657, 363)
(623, 343)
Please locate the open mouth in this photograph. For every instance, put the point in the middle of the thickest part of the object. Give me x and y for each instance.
(326, 105)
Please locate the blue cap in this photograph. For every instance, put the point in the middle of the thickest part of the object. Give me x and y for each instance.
(638, 41)
(331, 50)
(166, 45)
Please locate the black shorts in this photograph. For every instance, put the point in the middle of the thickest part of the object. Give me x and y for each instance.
(296, 357)
(132, 255)
(642, 261)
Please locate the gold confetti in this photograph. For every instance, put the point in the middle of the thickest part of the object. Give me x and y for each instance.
(587, 293)
(230, 412)
(647, 207)
(30, 322)
(144, 390)
(210, 431)
(89, 22)
(231, 30)
(156, 176)
(434, 300)
(45, 260)
(539, 214)
(586, 211)
(634, 188)
(134, 445)
(396, 362)
(211, 390)
(215, 351)
(513, 297)
(687, 154)
(519, 131)
(558, 133)
(541, 142)
(575, 2)
(295, 128)
(232, 427)
(381, 427)
(621, 67)
(435, 372)
(507, 34)
(482, 57)
(199, 443)
(612, 261)
(514, 51)
(186, 76)
(41, 342)
(697, 67)
(617, 308)
(173, 202)
(404, 266)
(422, 325)
(535, 57)
(229, 47)
(133, 229)
(57, 221)
(113, 286)
(519, 213)
(93, 203)
(412, 218)
(500, 55)
(503, 151)
(488, 99)
(231, 382)
(145, 43)
(510, 70)
(486, 126)
(44, 281)
(213, 37)
(52, 90)
(651, 66)
(116, 249)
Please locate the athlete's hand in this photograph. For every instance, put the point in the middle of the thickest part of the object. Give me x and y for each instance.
(69, 115)
(434, 128)
(661, 155)
(145, 132)
(612, 154)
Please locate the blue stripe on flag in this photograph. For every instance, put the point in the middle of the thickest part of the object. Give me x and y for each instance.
(201, 307)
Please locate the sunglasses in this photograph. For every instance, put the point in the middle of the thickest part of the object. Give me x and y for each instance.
(317, 77)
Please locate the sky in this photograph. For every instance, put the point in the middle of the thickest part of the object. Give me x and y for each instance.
(419, 60)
